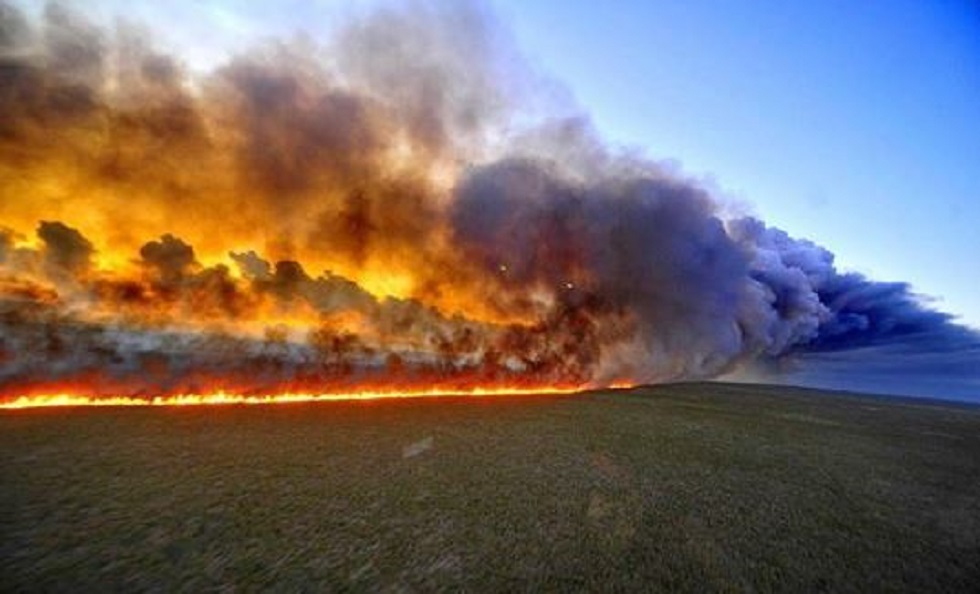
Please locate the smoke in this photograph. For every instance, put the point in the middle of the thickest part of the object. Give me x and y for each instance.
(845, 331)
(375, 210)
(169, 259)
(643, 252)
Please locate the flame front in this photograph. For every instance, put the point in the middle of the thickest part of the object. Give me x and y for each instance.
(224, 398)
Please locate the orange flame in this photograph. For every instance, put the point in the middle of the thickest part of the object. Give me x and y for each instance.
(225, 398)
(279, 229)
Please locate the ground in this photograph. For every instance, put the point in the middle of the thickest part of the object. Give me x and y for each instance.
(696, 487)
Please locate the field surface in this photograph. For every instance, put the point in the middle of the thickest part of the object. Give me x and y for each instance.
(697, 487)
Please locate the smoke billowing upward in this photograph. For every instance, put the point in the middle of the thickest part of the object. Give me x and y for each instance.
(374, 210)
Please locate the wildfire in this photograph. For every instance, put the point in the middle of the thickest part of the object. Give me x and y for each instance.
(385, 223)
(226, 398)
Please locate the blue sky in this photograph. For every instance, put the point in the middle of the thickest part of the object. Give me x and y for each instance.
(854, 124)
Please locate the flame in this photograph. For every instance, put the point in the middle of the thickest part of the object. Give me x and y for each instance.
(279, 228)
(227, 398)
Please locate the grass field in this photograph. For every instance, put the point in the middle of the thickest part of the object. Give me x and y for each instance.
(698, 487)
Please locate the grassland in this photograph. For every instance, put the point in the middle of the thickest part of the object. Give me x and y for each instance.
(699, 487)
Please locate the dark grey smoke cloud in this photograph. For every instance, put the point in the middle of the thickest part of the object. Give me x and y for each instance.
(65, 249)
(639, 251)
(170, 259)
(842, 330)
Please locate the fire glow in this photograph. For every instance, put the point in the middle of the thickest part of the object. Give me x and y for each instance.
(224, 398)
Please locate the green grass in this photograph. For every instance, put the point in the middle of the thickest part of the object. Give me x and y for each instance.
(698, 487)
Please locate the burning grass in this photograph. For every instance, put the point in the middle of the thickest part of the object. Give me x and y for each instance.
(689, 487)
(225, 398)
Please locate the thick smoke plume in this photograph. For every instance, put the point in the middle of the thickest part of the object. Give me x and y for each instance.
(374, 211)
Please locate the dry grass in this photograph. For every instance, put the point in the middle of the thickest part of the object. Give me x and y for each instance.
(699, 487)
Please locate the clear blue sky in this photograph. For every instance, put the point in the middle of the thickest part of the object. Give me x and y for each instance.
(854, 124)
